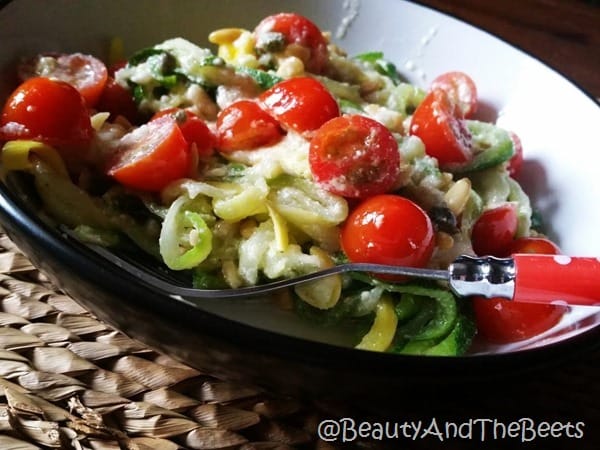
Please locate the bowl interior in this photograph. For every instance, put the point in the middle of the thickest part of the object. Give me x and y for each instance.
(557, 123)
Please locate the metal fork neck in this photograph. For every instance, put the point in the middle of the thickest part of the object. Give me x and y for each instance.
(486, 276)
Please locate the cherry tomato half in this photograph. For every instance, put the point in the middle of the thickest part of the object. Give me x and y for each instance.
(502, 321)
(461, 91)
(194, 129)
(354, 156)
(151, 156)
(534, 245)
(116, 66)
(84, 72)
(444, 134)
(494, 231)
(388, 229)
(118, 101)
(515, 163)
(302, 104)
(297, 29)
(244, 125)
(50, 111)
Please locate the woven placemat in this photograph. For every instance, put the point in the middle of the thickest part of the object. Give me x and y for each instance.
(68, 380)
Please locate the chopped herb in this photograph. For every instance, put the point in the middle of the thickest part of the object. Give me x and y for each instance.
(270, 42)
(537, 220)
(369, 57)
(264, 79)
(349, 107)
(381, 65)
(138, 93)
(143, 55)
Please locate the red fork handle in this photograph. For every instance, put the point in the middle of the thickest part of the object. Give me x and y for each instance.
(557, 279)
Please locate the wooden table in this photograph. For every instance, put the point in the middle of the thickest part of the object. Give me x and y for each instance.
(565, 34)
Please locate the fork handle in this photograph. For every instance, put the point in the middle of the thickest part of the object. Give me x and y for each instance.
(529, 278)
(557, 279)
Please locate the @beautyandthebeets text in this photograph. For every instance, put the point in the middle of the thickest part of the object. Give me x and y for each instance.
(523, 429)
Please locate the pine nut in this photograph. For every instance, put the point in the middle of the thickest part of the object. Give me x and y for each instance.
(458, 195)
(225, 36)
(99, 119)
(444, 241)
(289, 67)
(231, 274)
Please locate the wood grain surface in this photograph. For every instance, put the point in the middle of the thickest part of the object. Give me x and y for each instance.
(565, 34)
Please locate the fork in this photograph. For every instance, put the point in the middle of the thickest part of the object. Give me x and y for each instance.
(529, 278)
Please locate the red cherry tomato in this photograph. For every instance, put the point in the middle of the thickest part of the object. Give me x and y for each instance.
(461, 91)
(502, 321)
(151, 156)
(388, 229)
(534, 245)
(84, 72)
(244, 125)
(302, 104)
(354, 156)
(193, 128)
(297, 29)
(118, 101)
(115, 67)
(516, 162)
(47, 110)
(494, 231)
(444, 134)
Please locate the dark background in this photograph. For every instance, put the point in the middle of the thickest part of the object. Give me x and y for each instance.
(565, 34)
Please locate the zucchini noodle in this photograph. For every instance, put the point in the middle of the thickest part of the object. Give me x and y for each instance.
(20, 155)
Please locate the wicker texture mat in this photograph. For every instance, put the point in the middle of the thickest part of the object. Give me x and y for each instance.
(69, 381)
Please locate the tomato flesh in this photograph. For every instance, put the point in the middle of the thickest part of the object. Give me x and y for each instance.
(297, 29)
(515, 163)
(494, 231)
(388, 229)
(354, 156)
(85, 73)
(301, 104)
(534, 245)
(151, 156)
(503, 321)
(444, 134)
(461, 91)
(49, 111)
(194, 129)
(117, 101)
(244, 125)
